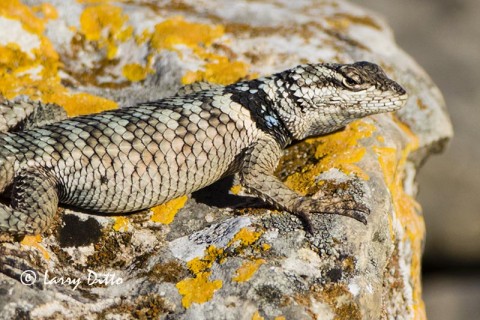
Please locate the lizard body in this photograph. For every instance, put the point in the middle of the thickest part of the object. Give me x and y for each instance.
(137, 157)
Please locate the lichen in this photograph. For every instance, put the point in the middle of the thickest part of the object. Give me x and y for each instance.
(36, 73)
(236, 189)
(105, 25)
(198, 290)
(257, 316)
(173, 33)
(247, 270)
(121, 224)
(134, 72)
(212, 254)
(171, 271)
(336, 296)
(165, 213)
(342, 21)
(340, 150)
(34, 241)
(150, 306)
(407, 210)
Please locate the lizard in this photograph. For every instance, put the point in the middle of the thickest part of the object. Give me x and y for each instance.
(137, 157)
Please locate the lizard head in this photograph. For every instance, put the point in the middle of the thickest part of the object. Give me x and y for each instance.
(326, 97)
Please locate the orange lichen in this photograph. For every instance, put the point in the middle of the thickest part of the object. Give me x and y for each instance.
(165, 213)
(247, 270)
(34, 241)
(198, 290)
(407, 210)
(339, 150)
(121, 224)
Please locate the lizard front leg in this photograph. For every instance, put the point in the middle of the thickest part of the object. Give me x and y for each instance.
(33, 205)
(257, 176)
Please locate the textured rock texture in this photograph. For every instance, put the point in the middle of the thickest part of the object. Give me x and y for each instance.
(217, 254)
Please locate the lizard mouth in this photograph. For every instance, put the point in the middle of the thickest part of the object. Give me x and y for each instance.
(378, 106)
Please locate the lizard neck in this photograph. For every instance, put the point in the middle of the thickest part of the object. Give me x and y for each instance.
(264, 108)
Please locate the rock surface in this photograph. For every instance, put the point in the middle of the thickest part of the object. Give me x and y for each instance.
(216, 254)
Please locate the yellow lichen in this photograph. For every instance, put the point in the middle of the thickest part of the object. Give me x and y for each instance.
(247, 270)
(121, 224)
(36, 73)
(104, 24)
(34, 241)
(201, 289)
(280, 318)
(145, 36)
(15, 9)
(203, 264)
(257, 316)
(342, 21)
(407, 210)
(245, 237)
(236, 189)
(134, 72)
(339, 150)
(47, 10)
(175, 33)
(165, 213)
(198, 290)
(80, 103)
(221, 71)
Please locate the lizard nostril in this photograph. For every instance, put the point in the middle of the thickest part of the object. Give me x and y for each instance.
(397, 88)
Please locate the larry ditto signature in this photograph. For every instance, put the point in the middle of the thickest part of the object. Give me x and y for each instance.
(30, 277)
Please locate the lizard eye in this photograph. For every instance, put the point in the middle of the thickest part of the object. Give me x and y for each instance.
(352, 81)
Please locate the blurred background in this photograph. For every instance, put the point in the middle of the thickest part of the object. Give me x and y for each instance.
(444, 38)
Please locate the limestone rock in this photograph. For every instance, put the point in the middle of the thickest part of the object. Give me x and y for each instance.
(216, 254)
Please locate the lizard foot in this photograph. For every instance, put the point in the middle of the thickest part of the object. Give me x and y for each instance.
(344, 205)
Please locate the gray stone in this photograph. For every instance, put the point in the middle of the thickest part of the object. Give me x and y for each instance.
(228, 257)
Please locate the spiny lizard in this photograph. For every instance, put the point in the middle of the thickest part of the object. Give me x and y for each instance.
(142, 156)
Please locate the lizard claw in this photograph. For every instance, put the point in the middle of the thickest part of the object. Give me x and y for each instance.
(345, 206)
(306, 221)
